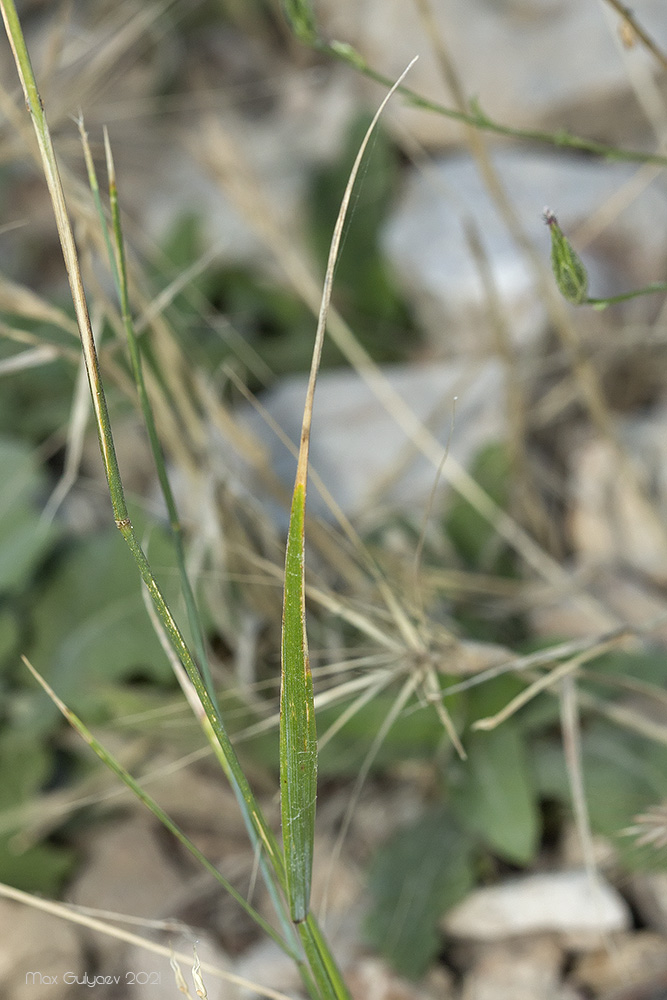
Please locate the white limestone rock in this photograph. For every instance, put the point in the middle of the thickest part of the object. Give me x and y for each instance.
(517, 970)
(426, 243)
(40, 954)
(565, 903)
(359, 449)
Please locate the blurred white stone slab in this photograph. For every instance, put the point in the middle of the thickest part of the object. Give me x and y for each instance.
(426, 242)
(522, 969)
(567, 903)
(527, 61)
(358, 448)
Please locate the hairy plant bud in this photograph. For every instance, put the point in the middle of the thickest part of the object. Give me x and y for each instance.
(568, 268)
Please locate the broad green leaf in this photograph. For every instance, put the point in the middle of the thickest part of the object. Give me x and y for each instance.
(25, 765)
(646, 666)
(422, 871)
(24, 537)
(41, 868)
(91, 625)
(417, 733)
(475, 540)
(492, 696)
(493, 793)
(623, 776)
(10, 637)
(34, 401)
(298, 737)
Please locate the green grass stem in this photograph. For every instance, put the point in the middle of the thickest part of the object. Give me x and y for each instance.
(319, 980)
(658, 286)
(301, 19)
(114, 765)
(194, 619)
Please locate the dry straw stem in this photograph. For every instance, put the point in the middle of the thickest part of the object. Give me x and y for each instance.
(635, 31)
(76, 916)
(571, 733)
(546, 681)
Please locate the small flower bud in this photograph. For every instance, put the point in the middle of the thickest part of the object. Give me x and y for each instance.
(569, 271)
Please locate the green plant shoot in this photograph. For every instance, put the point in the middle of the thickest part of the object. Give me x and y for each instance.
(298, 736)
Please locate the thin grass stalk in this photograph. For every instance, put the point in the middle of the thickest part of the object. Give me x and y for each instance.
(174, 520)
(320, 957)
(114, 765)
(112, 471)
(327, 988)
(274, 890)
(149, 422)
(478, 119)
(95, 191)
(301, 18)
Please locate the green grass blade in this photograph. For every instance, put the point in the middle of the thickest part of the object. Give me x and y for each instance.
(298, 737)
(110, 761)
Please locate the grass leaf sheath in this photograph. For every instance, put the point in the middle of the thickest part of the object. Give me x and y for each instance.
(298, 737)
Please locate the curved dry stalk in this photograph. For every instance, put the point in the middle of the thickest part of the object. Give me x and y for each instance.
(543, 683)
(83, 919)
(407, 690)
